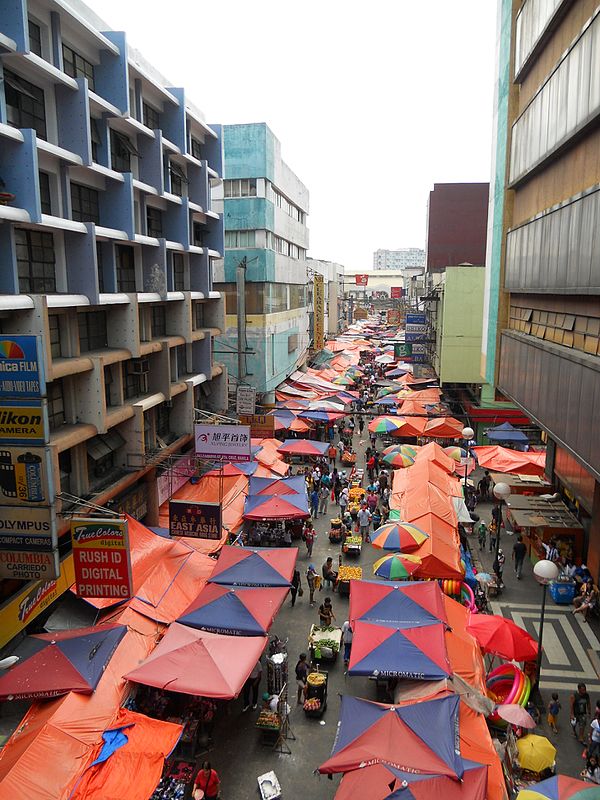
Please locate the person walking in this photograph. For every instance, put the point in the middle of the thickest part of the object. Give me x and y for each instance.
(347, 640)
(323, 498)
(296, 587)
(361, 425)
(314, 503)
(498, 567)
(371, 467)
(302, 670)
(364, 520)
(343, 500)
(493, 529)
(553, 710)
(580, 708)
(594, 743)
(207, 783)
(482, 534)
(326, 613)
(251, 686)
(309, 535)
(332, 454)
(519, 552)
(311, 575)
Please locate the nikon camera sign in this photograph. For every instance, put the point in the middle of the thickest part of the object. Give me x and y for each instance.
(23, 422)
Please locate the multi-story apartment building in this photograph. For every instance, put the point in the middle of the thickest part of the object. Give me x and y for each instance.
(106, 250)
(404, 258)
(542, 319)
(266, 238)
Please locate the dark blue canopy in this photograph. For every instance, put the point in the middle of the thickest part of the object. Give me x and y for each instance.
(506, 433)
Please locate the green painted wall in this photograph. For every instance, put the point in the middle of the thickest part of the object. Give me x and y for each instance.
(460, 325)
(249, 151)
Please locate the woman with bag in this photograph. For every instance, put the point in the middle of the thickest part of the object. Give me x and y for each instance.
(207, 783)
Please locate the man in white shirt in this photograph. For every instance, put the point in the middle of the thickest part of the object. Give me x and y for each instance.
(347, 640)
(364, 520)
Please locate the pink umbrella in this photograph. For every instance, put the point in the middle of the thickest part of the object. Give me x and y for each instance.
(516, 715)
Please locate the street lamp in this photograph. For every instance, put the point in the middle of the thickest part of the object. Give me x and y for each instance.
(545, 572)
(467, 434)
(501, 493)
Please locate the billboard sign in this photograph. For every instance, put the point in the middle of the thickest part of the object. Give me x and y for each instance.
(318, 312)
(362, 280)
(101, 558)
(396, 292)
(415, 319)
(245, 399)
(23, 422)
(29, 565)
(403, 349)
(25, 476)
(223, 442)
(262, 426)
(27, 529)
(21, 367)
(196, 520)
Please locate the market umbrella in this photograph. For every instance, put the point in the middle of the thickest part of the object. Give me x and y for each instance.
(560, 787)
(234, 611)
(274, 507)
(322, 416)
(343, 381)
(406, 449)
(396, 566)
(277, 486)
(457, 453)
(443, 428)
(383, 424)
(410, 426)
(200, 663)
(536, 753)
(398, 536)
(398, 460)
(419, 737)
(411, 653)
(303, 447)
(254, 566)
(501, 637)
(62, 662)
(506, 433)
(408, 604)
(516, 715)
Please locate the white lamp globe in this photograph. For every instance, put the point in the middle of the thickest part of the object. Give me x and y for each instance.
(468, 433)
(502, 491)
(545, 571)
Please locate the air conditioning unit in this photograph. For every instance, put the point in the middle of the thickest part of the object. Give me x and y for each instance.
(141, 366)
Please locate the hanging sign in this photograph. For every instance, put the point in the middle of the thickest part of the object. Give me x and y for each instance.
(21, 367)
(245, 399)
(101, 558)
(396, 292)
(29, 565)
(27, 529)
(196, 520)
(262, 426)
(362, 280)
(25, 476)
(223, 442)
(23, 422)
(318, 312)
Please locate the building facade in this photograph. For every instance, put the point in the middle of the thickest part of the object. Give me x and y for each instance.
(403, 258)
(456, 225)
(542, 331)
(107, 241)
(265, 210)
(333, 275)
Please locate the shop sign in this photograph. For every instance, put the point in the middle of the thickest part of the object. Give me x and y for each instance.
(318, 312)
(262, 426)
(396, 292)
(223, 442)
(175, 477)
(25, 476)
(101, 558)
(415, 319)
(29, 565)
(362, 280)
(134, 502)
(245, 399)
(23, 422)
(196, 520)
(403, 349)
(21, 367)
(419, 353)
(27, 529)
(31, 601)
(361, 313)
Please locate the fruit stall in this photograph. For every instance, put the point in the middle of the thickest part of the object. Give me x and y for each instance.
(352, 545)
(324, 643)
(336, 531)
(269, 725)
(345, 575)
(316, 694)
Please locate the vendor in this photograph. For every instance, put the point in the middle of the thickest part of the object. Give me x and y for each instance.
(270, 701)
(207, 783)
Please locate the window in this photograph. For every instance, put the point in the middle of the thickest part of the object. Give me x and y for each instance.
(159, 321)
(45, 199)
(24, 104)
(297, 296)
(181, 361)
(125, 269)
(35, 38)
(56, 405)
(196, 148)
(84, 204)
(100, 264)
(197, 235)
(178, 178)
(121, 151)
(136, 382)
(153, 222)
(54, 325)
(77, 66)
(92, 331)
(95, 137)
(240, 239)
(35, 261)
(65, 469)
(162, 421)
(198, 316)
(149, 440)
(244, 187)
(151, 117)
(292, 342)
(178, 272)
(110, 393)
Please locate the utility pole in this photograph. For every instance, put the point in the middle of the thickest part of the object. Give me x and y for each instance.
(241, 319)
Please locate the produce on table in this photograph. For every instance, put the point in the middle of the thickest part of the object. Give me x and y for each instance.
(350, 573)
(312, 704)
(356, 493)
(353, 540)
(268, 719)
(316, 679)
(330, 643)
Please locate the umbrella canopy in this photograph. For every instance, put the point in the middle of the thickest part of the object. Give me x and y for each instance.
(410, 426)
(61, 662)
(559, 787)
(443, 428)
(506, 433)
(536, 753)
(500, 636)
(343, 381)
(516, 715)
(291, 506)
(398, 460)
(200, 663)
(398, 536)
(399, 604)
(396, 566)
(303, 447)
(234, 611)
(457, 453)
(277, 486)
(322, 416)
(384, 424)
(420, 738)
(410, 450)
(244, 566)
(412, 653)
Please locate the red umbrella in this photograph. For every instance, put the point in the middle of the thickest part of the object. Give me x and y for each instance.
(501, 637)
(303, 447)
(444, 428)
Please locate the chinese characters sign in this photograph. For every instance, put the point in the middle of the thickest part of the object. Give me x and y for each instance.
(101, 558)
(396, 291)
(362, 280)
(318, 312)
(223, 442)
(196, 520)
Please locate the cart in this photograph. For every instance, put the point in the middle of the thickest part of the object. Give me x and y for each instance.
(324, 643)
(345, 575)
(336, 531)
(352, 546)
(315, 702)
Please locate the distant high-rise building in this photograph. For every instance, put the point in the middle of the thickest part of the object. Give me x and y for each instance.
(403, 258)
(456, 225)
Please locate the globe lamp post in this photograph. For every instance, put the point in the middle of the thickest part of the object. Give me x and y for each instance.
(467, 434)
(544, 572)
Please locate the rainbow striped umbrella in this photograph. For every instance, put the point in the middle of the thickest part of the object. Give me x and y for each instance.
(384, 424)
(343, 381)
(398, 536)
(406, 450)
(455, 452)
(398, 460)
(396, 566)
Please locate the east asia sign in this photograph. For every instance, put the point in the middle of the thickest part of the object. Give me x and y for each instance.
(196, 520)
(101, 558)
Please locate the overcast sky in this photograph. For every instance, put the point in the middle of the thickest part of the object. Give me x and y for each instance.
(373, 102)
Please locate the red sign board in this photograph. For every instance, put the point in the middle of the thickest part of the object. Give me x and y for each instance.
(396, 291)
(101, 558)
(362, 280)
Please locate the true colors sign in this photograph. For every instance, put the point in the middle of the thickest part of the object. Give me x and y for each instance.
(101, 558)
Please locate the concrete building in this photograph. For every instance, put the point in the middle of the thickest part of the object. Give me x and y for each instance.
(541, 343)
(410, 280)
(106, 252)
(456, 225)
(403, 258)
(265, 208)
(333, 275)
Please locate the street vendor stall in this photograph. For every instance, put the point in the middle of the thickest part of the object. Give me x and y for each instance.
(522, 484)
(542, 520)
(352, 546)
(324, 642)
(315, 702)
(345, 575)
